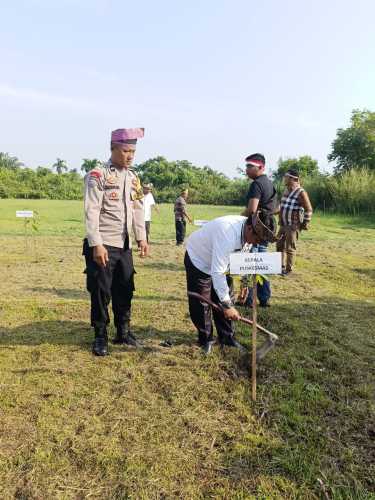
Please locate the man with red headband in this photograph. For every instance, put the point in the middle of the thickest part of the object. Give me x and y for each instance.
(295, 215)
(261, 199)
(113, 206)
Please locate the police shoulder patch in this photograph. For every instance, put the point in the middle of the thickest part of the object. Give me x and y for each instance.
(95, 178)
(96, 173)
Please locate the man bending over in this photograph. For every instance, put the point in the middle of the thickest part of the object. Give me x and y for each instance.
(207, 264)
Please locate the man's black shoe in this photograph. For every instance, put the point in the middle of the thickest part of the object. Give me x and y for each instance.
(118, 340)
(286, 273)
(232, 342)
(207, 347)
(264, 304)
(100, 345)
(129, 339)
(120, 334)
(125, 337)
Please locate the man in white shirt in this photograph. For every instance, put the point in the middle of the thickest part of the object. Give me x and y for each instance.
(207, 264)
(148, 203)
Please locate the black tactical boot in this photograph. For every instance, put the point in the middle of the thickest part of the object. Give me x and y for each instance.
(125, 336)
(100, 345)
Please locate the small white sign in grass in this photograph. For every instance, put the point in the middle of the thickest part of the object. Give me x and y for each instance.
(25, 214)
(31, 227)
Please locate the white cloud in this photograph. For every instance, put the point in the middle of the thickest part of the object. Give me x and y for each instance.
(44, 98)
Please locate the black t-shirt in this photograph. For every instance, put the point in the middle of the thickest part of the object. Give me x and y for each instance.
(263, 190)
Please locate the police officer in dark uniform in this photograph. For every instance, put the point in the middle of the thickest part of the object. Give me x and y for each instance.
(113, 205)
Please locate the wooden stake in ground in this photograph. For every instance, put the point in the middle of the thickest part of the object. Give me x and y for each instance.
(254, 343)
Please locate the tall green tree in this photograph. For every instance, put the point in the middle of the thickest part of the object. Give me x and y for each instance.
(306, 166)
(43, 171)
(354, 147)
(10, 162)
(60, 166)
(88, 164)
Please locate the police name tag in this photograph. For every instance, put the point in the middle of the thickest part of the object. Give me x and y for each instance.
(255, 263)
(26, 214)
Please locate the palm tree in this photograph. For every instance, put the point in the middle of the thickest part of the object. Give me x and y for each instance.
(88, 165)
(10, 162)
(60, 166)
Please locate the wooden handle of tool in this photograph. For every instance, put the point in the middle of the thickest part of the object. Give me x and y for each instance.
(254, 343)
(244, 320)
(260, 327)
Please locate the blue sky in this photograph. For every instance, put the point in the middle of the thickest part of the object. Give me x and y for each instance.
(211, 81)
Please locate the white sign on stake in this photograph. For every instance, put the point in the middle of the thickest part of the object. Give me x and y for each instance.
(199, 222)
(255, 263)
(26, 214)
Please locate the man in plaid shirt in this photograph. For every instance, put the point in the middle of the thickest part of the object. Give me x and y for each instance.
(295, 215)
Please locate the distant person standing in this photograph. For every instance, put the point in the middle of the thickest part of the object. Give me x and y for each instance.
(148, 203)
(261, 199)
(295, 215)
(180, 215)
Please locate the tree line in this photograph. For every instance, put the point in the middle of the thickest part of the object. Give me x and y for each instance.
(351, 188)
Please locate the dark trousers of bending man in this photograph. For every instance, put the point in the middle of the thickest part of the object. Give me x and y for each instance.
(200, 313)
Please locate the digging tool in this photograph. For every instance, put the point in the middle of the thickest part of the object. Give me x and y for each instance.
(256, 354)
(272, 336)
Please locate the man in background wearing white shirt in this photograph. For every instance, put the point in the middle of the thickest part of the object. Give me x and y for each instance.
(207, 264)
(148, 203)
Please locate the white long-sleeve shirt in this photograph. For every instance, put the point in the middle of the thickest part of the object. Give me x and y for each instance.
(209, 249)
(148, 203)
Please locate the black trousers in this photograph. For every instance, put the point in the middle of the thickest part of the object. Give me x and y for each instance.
(180, 231)
(148, 227)
(200, 313)
(115, 280)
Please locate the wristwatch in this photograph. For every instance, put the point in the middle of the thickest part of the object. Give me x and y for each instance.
(226, 304)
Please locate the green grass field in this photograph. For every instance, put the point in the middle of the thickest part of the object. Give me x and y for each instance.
(168, 423)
